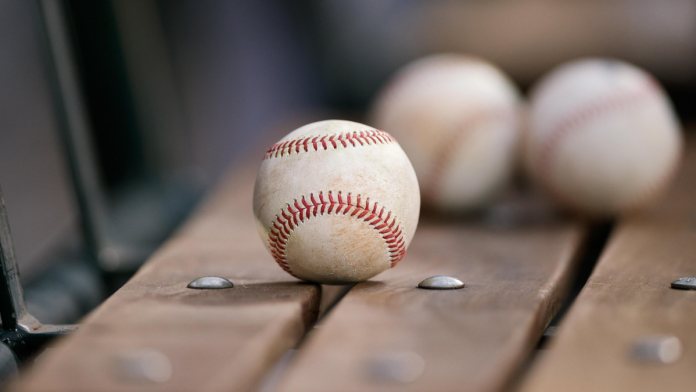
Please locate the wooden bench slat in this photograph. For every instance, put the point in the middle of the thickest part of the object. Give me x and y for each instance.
(472, 339)
(214, 339)
(629, 296)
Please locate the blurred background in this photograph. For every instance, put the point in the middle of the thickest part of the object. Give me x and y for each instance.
(117, 115)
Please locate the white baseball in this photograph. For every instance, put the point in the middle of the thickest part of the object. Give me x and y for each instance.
(336, 202)
(456, 118)
(603, 137)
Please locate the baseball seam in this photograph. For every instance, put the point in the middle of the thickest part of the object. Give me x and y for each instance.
(574, 122)
(449, 147)
(289, 218)
(315, 143)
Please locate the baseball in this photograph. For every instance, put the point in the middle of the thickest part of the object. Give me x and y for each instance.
(456, 118)
(336, 202)
(603, 137)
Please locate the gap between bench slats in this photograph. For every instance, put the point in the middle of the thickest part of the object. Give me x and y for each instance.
(214, 340)
(629, 296)
(386, 334)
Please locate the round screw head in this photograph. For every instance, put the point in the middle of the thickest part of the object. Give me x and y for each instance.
(657, 349)
(686, 283)
(395, 367)
(146, 364)
(210, 283)
(441, 282)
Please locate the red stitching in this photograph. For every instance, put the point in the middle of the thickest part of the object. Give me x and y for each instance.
(448, 150)
(316, 143)
(573, 122)
(291, 216)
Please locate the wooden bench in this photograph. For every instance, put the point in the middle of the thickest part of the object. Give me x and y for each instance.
(387, 334)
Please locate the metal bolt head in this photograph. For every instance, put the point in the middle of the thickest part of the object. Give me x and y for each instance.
(210, 283)
(145, 364)
(441, 282)
(686, 283)
(400, 366)
(659, 349)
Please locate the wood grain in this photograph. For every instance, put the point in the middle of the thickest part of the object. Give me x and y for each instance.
(471, 339)
(629, 296)
(214, 340)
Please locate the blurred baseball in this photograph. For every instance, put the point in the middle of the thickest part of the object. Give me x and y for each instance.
(336, 202)
(456, 118)
(603, 137)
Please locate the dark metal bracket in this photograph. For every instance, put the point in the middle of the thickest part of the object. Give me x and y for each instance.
(111, 252)
(23, 333)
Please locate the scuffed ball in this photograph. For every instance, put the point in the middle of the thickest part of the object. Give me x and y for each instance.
(603, 137)
(336, 202)
(457, 119)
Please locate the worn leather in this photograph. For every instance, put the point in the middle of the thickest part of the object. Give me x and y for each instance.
(603, 137)
(336, 202)
(456, 117)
